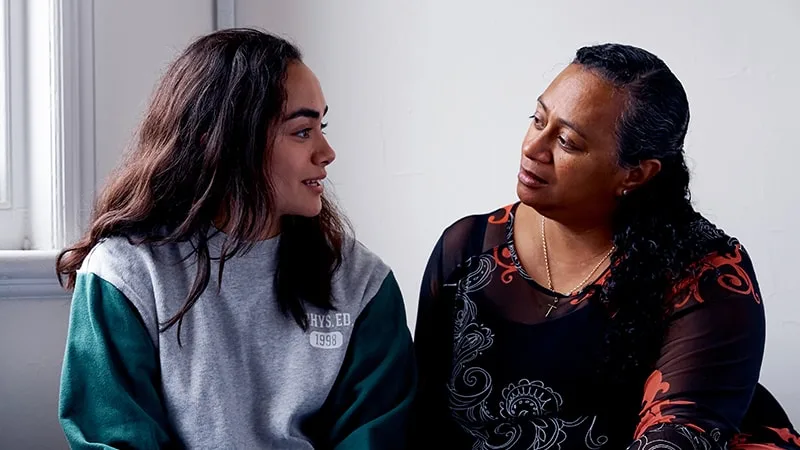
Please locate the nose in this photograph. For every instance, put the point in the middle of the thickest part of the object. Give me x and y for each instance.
(536, 146)
(324, 154)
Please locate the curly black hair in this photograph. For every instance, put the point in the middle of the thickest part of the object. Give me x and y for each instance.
(659, 237)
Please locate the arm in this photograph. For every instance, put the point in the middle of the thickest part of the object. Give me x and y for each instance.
(433, 348)
(710, 361)
(369, 403)
(433, 335)
(109, 382)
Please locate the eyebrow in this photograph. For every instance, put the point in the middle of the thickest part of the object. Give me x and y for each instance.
(564, 122)
(306, 112)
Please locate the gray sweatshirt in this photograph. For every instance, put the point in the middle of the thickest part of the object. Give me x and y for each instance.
(246, 376)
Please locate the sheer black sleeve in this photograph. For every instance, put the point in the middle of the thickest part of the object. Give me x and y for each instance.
(433, 335)
(704, 381)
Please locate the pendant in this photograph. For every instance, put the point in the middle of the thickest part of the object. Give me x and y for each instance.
(552, 306)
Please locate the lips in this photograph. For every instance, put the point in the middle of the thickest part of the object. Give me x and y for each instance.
(315, 181)
(315, 184)
(530, 179)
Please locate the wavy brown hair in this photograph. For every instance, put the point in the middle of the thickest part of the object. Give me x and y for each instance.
(201, 151)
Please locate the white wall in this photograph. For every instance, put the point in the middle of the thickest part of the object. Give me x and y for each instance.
(133, 40)
(429, 103)
(32, 333)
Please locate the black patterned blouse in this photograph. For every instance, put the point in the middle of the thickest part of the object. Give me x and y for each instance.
(495, 373)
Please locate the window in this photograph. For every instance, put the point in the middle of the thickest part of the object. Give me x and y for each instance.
(12, 198)
(46, 138)
(5, 152)
(46, 121)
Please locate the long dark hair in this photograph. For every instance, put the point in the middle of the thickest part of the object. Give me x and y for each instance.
(659, 236)
(202, 150)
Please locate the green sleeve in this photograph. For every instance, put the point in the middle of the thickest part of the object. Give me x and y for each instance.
(109, 381)
(369, 404)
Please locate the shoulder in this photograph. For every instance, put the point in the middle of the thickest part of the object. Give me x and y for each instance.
(115, 259)
(361, 274)
(473, 235)
(358, 260)
(480, 223)
(724, 274)
(135, 269)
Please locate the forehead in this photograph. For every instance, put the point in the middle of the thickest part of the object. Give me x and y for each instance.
(580, 96)
(303, 89)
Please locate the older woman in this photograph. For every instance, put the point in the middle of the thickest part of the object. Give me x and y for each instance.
(601, 310)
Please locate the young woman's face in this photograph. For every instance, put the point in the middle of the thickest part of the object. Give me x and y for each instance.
(300, 151)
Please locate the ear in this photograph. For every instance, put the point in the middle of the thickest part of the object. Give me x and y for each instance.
(639, 175)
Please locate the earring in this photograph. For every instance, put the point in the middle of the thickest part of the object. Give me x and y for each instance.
(624, 192)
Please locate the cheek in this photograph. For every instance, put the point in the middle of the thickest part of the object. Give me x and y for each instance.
(591, 174)
(277, 171)
(572, 168)
(285, 164)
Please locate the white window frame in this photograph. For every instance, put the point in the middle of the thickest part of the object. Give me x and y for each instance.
(5, 108)
(224, 14)
(12, 158)
(56, 187)
(74, 148)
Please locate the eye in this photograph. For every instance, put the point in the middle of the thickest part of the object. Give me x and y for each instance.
(304, 133)
(565, 143)
(537, 121)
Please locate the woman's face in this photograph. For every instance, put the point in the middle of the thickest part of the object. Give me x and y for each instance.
(300, 151)
(569, 166)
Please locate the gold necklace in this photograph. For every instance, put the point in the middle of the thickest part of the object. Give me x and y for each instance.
(554, 305)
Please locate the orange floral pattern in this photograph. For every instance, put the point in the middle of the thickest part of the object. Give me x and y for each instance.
(654, 409)
(503, 259)
(506, 211)
(786, 435)
(738, 282)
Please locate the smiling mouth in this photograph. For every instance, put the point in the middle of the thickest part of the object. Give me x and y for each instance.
(313, 182)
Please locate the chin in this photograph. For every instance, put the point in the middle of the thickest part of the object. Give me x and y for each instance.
(530, 197)
(539, 199)
(312, 209)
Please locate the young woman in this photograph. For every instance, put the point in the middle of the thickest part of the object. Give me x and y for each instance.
(219, 301)
(601, 310)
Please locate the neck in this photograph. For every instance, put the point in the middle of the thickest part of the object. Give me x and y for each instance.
(273, 228)
(574, 241)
